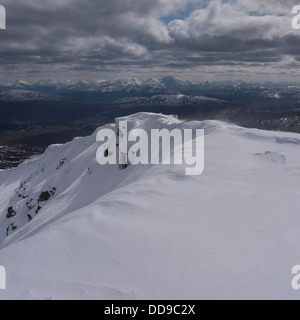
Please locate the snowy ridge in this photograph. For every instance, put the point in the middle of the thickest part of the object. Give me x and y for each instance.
(174, 100)
(150, 231)
(43, 181)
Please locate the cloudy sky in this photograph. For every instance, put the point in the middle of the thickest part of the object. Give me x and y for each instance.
(189, 39)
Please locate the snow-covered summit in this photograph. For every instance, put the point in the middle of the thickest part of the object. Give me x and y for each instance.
(70, 228)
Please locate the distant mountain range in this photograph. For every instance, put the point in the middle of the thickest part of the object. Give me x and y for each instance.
(25, 95)
(167, 91)
(48, 111)
(167, 85)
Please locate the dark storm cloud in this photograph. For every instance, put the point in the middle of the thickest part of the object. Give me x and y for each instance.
(111, 35)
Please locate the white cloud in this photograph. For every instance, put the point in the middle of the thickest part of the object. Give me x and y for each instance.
(105, 47)
(229, 19)
(116, 34)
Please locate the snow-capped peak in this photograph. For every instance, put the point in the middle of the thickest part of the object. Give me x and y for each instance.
(22, 84)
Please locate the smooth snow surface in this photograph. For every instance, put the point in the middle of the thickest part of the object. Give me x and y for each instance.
(150, 232)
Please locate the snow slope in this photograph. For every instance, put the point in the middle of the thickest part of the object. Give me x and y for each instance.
(150, 232)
